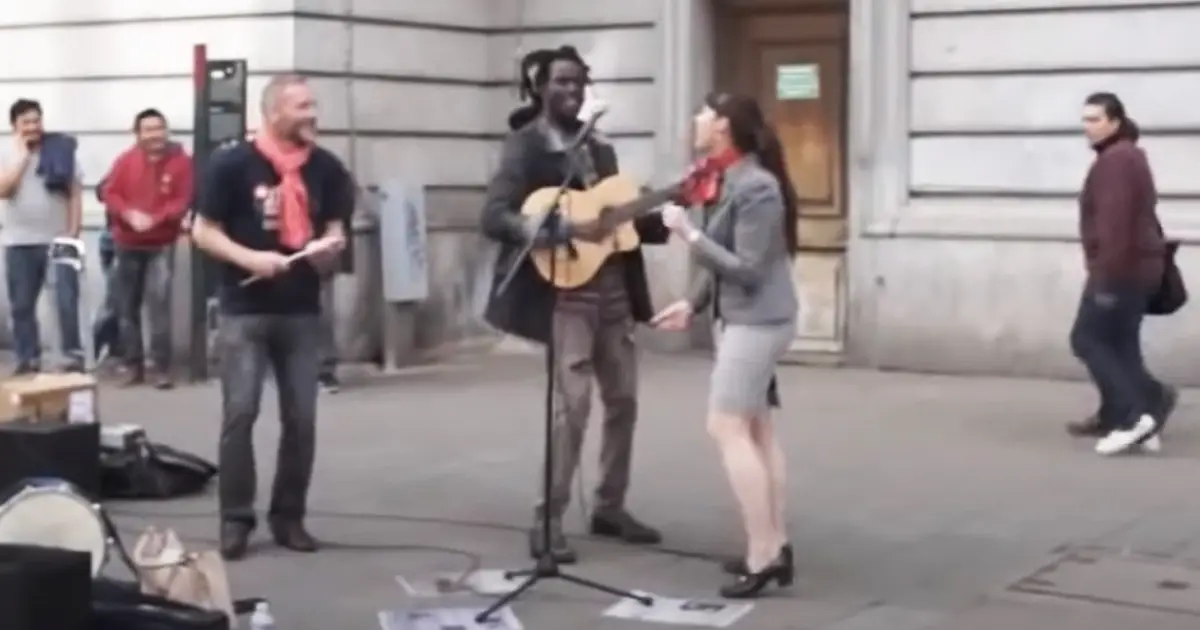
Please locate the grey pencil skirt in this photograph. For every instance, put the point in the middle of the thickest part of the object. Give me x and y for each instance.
(744, 370)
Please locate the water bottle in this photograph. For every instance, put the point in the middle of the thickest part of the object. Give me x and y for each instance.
(262, 619)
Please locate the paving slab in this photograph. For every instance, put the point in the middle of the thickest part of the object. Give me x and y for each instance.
(1025, 613)
(1154, 535)
(913, 498)
(1120, 578)
(889, 617)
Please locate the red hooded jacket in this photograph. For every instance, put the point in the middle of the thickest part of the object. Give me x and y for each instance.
(160, 188)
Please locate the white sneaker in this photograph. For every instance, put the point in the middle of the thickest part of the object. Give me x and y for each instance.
(1121, 440)
(1152, 445)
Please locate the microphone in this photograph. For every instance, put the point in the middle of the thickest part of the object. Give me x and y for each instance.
(598, 109)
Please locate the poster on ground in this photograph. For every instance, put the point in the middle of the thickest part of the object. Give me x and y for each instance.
(447, 619)
(714, 613)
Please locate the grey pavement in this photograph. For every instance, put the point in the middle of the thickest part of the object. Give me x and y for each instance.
(916, 502)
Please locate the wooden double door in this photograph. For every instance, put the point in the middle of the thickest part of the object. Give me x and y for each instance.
(794, 59)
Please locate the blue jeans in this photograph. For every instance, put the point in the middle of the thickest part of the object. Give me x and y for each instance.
(1106, 337)
(143, 277)
(26, 268)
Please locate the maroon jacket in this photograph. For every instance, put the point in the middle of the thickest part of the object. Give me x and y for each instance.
(1118, 222)
(161, 189)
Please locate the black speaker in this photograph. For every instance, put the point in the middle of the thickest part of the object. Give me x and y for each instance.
(42, 588)
(70, 452)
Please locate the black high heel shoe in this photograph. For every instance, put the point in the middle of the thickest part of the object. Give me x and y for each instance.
(751, 585)
(737, 566)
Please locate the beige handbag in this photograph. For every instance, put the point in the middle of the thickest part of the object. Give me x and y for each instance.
(167, 569)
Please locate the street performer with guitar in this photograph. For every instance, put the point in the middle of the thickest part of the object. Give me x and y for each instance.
(593, 318)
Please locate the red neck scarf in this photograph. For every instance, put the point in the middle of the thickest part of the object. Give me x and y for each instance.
(704, 186)
(295, 224)
(724, 159)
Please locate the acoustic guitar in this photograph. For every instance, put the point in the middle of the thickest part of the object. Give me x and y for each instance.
(602, 217)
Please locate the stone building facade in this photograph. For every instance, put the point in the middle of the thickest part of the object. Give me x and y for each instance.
(936, 142)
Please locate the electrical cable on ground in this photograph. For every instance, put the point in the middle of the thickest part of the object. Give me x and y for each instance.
(454, 584)
(474, 560)
(401, 518)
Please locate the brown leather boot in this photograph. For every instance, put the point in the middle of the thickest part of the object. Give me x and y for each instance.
(622, 526)
(235, 539)
(162, 380)
(134, 377)
(292, 535)
(559, 548)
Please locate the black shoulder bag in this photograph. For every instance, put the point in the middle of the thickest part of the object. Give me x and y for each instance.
(1171, 294)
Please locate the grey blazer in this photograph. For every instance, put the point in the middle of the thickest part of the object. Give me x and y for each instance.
(743, 251)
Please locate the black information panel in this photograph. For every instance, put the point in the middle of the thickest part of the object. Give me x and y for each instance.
(220, 122)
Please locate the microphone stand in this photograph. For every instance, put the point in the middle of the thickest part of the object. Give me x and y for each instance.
(546, 566)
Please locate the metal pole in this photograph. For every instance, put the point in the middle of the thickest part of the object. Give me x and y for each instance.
(201, 148)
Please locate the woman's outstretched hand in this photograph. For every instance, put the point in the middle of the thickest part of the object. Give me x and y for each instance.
(674, 318)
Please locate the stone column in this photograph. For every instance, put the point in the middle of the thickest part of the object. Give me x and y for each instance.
(878, 155)
(686, 74)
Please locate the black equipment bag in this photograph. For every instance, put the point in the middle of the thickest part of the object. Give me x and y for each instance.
(118, 605)
(45, 588)
(50, 449)
(152, 471)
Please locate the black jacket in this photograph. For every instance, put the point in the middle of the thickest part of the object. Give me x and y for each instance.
(528, 164)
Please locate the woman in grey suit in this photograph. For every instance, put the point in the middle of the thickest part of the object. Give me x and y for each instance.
(745, 247)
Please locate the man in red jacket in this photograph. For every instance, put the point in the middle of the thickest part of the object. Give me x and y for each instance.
(148, 193)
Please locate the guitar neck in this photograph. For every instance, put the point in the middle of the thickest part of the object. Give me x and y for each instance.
(641, 206)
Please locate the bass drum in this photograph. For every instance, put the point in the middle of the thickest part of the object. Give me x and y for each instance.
(53, 513)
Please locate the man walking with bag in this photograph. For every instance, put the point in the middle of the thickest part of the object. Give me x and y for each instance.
(1125, 252)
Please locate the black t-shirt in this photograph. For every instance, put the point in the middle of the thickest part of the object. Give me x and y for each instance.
(237, 189)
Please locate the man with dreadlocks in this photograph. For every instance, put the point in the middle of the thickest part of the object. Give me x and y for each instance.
(593, 325)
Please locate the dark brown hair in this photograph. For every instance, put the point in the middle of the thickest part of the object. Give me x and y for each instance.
(22, 106)
(1115, 110)
(753, 135)
(147, 114)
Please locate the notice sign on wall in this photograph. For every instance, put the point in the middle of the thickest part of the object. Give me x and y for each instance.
(798, 82)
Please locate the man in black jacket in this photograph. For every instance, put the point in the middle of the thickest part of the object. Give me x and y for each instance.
(591, 327)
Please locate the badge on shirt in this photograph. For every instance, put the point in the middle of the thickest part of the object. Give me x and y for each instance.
(165, 184)
(267, 201)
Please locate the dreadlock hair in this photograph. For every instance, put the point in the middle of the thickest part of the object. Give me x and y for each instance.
(535, 72)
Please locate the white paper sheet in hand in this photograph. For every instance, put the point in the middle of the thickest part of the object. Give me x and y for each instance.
(712, 613)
